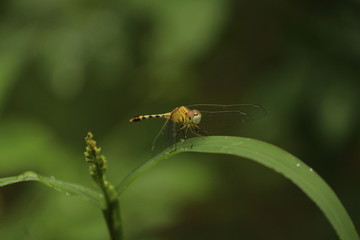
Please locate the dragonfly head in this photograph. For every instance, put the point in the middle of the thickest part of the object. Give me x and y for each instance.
(194, 116)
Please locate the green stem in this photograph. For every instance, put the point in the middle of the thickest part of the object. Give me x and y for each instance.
(113, 220)
(111, 212)
(97, 168)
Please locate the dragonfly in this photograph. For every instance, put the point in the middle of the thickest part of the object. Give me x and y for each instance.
(188, 119)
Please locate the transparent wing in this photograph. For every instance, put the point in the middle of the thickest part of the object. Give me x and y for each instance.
(243, 112)
(165, 137)
(227, 119)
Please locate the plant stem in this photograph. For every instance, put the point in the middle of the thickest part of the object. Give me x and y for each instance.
(97, 168)
(112, 217)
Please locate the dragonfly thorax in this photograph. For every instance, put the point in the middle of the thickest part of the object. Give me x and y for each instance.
(185, 116)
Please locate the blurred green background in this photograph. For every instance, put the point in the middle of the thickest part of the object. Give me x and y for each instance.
(67, 67)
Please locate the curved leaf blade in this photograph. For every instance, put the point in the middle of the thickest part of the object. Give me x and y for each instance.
(69, 189)
(272, 157)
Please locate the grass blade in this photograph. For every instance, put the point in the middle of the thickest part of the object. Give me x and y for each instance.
(60, 186)
(274, 158)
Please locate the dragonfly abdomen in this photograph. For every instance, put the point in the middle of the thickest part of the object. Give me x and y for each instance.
(142, 117)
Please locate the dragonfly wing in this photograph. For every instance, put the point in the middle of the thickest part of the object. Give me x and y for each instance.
(227, 119)
(165, 137)
(159, 135)
(244, 112)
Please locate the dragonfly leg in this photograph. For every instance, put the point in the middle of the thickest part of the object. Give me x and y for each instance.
(186, 133)
(195, 132)
(181, 129)
(198, 131)
(185, 136)
(184, 129)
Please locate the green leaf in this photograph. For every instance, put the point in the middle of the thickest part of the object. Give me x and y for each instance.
(274, 158)
(69, 189)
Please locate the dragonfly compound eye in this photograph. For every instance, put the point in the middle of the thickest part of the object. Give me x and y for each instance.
(197, 116)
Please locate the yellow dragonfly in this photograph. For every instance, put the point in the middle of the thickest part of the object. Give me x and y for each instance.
(188, 118)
